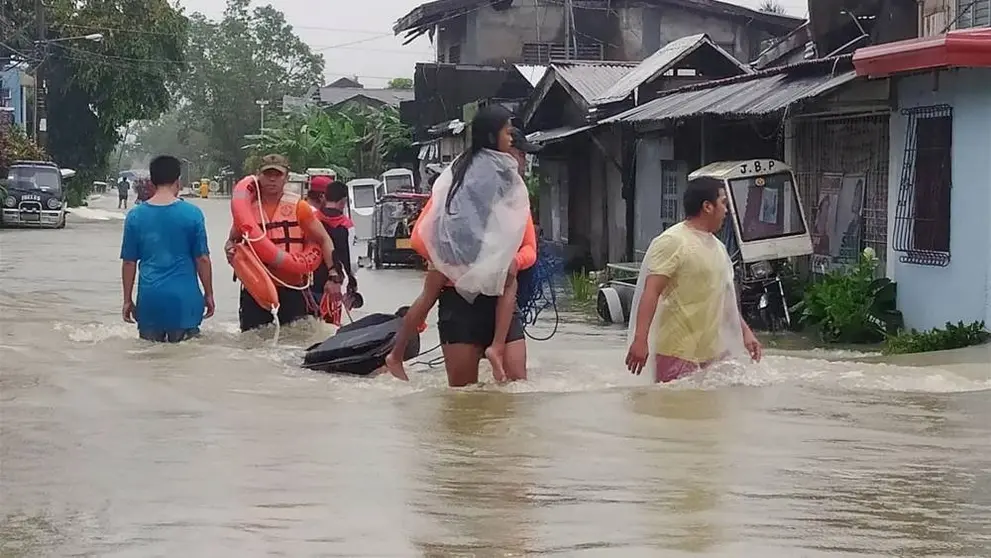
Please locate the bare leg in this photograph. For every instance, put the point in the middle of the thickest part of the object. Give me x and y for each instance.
(433, 284)
(515, 361)
(461, 363)
(505, 307)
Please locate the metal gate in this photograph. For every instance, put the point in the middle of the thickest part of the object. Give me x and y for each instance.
(853, 144)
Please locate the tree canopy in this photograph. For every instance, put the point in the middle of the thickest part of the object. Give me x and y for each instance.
(400, 83)
(94, 89)
(247, 56)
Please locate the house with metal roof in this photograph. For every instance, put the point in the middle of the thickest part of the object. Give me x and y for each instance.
(485, 32)
(939, 188)
(582, 162)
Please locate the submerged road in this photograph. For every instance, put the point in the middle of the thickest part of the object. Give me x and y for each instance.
(110, 446)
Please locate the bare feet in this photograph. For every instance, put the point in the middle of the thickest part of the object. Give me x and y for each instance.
(395, 367)
(495, 354)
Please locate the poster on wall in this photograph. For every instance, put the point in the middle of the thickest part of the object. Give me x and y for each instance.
(849, 210)
(836, 229)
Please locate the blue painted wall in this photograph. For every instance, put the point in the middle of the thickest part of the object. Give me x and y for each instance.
(931, 296)
(12, 80)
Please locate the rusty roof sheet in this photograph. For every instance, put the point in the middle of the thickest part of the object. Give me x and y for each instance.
(763, 95)
(661, 61)
(591, 79)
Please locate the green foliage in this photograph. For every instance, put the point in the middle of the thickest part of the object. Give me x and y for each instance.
(94, 89)
(356, 141)
(533, 184)
(952, 337)
(249, 55)
(583, 289)
(850, 305)
(400, 83)
(16, 146)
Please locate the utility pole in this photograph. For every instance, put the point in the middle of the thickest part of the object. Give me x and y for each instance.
(40, 89)
(567, 29)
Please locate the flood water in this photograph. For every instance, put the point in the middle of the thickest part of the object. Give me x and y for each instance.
(110, 446)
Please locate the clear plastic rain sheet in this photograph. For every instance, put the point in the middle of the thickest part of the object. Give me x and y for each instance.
(697, 322)
(474, 241)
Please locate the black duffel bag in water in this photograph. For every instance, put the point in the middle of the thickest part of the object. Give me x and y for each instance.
(360, 347)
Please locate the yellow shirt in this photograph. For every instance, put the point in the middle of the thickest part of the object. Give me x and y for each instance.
(691, 308)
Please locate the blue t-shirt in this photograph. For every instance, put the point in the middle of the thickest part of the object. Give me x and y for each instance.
(165, 240)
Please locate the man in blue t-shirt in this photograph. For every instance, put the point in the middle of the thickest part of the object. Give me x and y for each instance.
(167, 239)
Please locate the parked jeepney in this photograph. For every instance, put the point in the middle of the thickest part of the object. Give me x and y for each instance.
(297, 183)
(394, 181)
(36, 195)
(392, 227)
(766, 225)
(361, 202)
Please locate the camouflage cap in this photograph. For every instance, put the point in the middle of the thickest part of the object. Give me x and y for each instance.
(274, 162)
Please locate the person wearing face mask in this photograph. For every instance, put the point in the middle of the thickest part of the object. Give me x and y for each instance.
(289, 223)
(168, 238)
(329, 199)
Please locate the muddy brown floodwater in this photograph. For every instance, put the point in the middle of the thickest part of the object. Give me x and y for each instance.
(110, 446)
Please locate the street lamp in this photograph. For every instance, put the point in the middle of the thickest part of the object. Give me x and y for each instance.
(262, 103)
(40, 89)
(95, 37)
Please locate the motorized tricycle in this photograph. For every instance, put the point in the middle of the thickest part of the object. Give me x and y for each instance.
(36, 195)
(392, 225)
(766, 225)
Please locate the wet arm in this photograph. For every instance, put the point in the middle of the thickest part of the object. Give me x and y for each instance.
(315, 230)
(128, 271)
(653, 287)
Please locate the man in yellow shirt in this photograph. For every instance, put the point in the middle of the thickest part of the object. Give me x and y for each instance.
(689, 273)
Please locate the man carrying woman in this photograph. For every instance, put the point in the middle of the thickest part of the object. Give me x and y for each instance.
(477, 233)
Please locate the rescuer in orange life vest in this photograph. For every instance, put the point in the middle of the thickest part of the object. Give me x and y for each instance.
(291, 224)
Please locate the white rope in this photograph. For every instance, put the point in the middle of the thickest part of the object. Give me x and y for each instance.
(278, 326)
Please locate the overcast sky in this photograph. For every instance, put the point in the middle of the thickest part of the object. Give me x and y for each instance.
(355, 37)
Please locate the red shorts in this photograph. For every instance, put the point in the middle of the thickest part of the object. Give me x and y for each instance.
(671, 368)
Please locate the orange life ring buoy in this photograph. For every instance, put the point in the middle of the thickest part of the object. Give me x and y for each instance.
(252, 274)
(281, 262)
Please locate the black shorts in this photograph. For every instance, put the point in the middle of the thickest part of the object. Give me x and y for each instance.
(169, 336)
(292, 307)
(461, 322)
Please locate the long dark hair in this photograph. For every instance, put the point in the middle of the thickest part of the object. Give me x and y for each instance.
(485, 127)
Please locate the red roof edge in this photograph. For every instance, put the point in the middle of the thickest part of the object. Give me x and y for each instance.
(957, 49)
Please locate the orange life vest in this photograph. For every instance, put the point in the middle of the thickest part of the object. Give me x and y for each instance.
(284, 230)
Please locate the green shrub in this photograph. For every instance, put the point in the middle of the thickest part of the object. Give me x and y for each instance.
(583, 289)
(850, 305)
(953, 337)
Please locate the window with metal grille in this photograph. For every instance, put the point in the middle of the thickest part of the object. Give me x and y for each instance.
(454, 54)
(542, 53)
(922, 215)
(973, 13)
(670, 200)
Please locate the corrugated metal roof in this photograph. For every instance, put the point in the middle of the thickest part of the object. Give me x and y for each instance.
(555, 134)
(591, 79)
(741, 97)
(660, 62)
